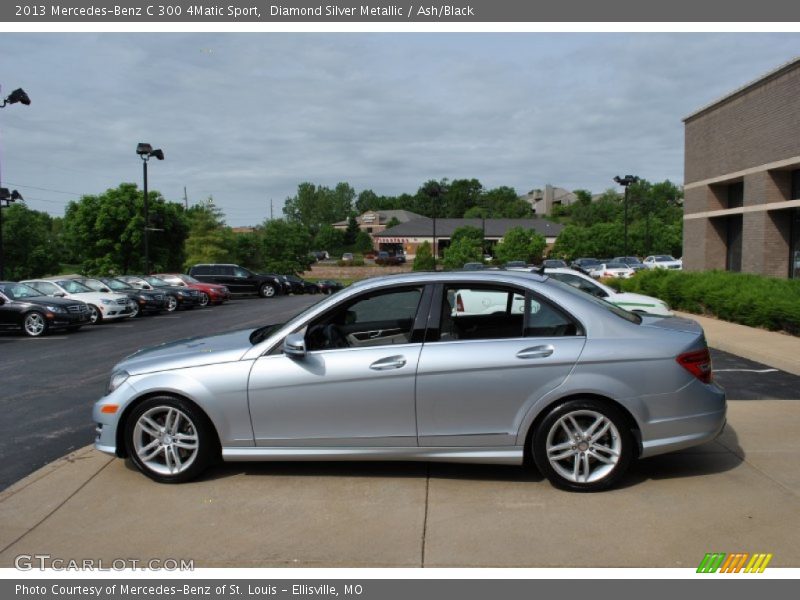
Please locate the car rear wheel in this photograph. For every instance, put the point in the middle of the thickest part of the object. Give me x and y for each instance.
(34, 324)
(203, 299)
(266, 290)
(583, 445)
(172, 304)
(169, 440)
(95, 316)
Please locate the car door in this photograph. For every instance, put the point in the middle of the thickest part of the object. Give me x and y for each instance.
(355, 384)
(9, 313)
(479, 374)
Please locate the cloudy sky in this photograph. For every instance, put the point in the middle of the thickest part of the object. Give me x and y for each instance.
(246, 117)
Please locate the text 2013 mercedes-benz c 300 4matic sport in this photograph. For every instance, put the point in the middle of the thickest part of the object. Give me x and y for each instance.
(414, 367)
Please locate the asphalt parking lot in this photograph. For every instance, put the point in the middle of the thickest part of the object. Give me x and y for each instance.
(738, 493)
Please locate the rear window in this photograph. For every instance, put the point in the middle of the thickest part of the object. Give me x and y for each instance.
(620, 312)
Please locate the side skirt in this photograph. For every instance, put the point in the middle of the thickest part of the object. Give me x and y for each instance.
(505, 455)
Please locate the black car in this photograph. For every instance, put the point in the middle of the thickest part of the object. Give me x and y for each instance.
(24, 308)
(239, 280)
(298, 285)
(146, 301)
(584, 265)
(176, 297)
(554, 263)
(329, 286)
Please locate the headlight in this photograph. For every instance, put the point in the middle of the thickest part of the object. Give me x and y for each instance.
(106, 301)
(224, 290)
(117, 379)
(55, 309)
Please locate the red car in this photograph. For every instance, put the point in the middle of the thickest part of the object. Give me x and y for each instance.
(211, 293)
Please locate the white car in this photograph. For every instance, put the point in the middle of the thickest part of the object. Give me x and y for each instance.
(612, 269)
(663, 261)
(102, 305)
(637, 303)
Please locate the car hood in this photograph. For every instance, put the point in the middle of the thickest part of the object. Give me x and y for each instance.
(96, 297)
(51, 300)
(189, 352)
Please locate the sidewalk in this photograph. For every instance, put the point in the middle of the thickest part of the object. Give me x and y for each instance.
(774, 349)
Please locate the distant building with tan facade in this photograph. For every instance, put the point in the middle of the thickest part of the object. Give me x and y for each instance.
(375, 221)
(742, 179)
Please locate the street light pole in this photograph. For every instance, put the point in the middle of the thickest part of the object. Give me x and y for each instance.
(6, 196)
(145, 152)
(626, 182)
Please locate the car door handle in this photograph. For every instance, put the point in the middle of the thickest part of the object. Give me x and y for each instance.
(536, 352)
(390, 362)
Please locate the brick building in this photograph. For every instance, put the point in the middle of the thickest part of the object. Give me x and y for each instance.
(742, 179)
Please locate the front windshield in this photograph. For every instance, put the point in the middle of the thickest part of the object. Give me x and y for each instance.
(73, 287)
(187, 279)
(664, 258)
(97, 286)
(616, 265)
(155, 281)
(15, 291)
(116, 284)
(620, 312)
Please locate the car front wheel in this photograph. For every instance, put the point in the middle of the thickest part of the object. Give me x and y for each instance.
(266, 290)
(169, 440)
(203, 299)
(34, 324)
(172, 304)
(583, 445)
(95, 316)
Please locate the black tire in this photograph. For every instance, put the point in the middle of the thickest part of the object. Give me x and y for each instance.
(136, 311)
(203, 299)
(34, 324)
(172, 304)
(598, 454)
(193, 423)
(95, 315)
(267, 290)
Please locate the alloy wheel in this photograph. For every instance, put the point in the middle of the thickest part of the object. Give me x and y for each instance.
(165, 440)
(203, 299)
(172, 303)
(583, 446)
(34, 324)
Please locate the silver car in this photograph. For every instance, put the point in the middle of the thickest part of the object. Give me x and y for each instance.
(394, 368)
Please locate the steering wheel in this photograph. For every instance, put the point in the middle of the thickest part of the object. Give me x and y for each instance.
(334, 338)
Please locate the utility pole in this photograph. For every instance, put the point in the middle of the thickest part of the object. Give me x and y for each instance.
(185, 199)
(271, 209)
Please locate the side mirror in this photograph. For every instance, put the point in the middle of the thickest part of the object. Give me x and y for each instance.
(294, 345)
(106, 290)
(59, 295)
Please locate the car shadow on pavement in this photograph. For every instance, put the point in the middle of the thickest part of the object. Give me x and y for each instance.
(718, 456)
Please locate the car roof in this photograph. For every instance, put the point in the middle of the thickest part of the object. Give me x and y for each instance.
(445, 276)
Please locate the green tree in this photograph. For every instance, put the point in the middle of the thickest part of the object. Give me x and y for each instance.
(423, 261)
(363, 242)
(520, 244)
(466, 245)
(247, 248)
(351, 233)
(29, 247)
(459, 196)
(315, 206)
(393, 222)
(330, 239)
(105, 233)
(286, 246)
(209, 240)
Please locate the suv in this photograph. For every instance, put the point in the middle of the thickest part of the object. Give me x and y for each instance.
(384, 258)
(238, 279)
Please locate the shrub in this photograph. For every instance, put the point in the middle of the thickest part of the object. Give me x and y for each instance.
(424, 258)
(752, 300)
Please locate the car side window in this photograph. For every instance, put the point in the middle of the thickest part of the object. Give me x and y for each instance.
(545, 320)
(580, 283)
(374, 319)
(48, 289)
(201, 271)
(240, 272)
(481, 313)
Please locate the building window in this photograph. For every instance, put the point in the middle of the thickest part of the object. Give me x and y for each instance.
(795, 184)
(733, 261)
(736, 195)
(794, 244)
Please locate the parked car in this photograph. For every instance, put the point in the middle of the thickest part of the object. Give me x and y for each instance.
(209, 292)
(321, 255)
(555, 263)
(142, 302)
(298, 285)
(384, 258)
(474, 266)
(238, 280)
(348, 257)
(632, 261)
(637, 303)
(22, 308)
(329, 286)
(520, 265)
(382, 370)
(612, 269)
(662, 261)
(176, 297)
(102, 306)
(584, 265)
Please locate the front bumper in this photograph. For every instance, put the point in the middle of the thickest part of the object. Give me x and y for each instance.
(60, 320)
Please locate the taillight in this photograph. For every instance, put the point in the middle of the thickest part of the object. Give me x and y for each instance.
(698, 363)
(459, 304)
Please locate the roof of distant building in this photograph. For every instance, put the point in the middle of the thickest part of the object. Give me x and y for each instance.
(493, 228)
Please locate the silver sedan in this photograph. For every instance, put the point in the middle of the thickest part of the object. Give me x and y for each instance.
(487, 367)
